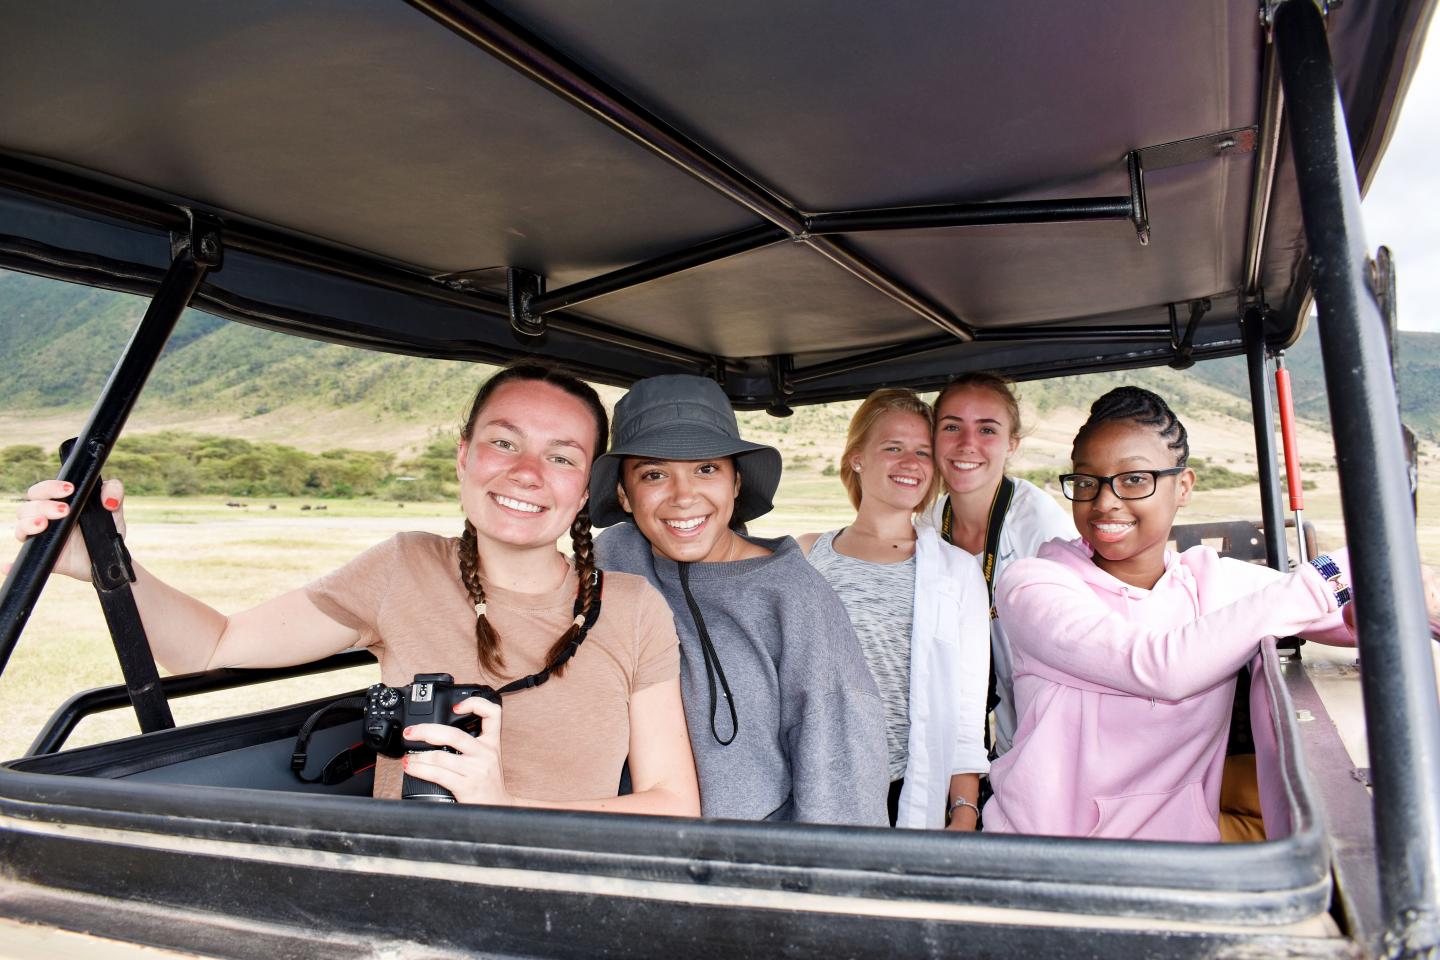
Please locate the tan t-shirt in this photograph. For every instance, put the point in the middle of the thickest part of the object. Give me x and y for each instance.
(563, 740)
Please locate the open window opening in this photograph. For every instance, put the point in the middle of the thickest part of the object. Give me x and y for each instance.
(1134, 233)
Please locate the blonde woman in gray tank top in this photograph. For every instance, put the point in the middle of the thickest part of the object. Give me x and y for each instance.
(920, 610)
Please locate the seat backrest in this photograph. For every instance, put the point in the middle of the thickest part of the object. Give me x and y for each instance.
(1239, 539)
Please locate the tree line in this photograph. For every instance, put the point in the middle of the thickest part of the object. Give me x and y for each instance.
(176, 464)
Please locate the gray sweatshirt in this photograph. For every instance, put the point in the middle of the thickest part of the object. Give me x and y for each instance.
(809, 743)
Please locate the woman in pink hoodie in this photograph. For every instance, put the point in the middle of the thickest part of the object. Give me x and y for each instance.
(1126, 652)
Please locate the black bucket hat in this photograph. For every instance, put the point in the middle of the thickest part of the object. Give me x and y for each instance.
(682, 417)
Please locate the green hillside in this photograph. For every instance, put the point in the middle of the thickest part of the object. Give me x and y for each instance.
(58, 342)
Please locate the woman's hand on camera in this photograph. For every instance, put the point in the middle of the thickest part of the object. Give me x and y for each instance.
(42, 506)
(473, 772)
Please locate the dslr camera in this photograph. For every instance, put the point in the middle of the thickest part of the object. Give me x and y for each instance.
(429, 698)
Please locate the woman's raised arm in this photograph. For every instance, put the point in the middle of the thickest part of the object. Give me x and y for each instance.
(187, 635)
(1064, 632)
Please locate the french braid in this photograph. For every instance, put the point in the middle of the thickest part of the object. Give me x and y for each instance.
(1143, 407)
(583, 546)
(487, 641)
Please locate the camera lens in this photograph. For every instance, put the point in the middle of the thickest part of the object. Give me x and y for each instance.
(413, 788)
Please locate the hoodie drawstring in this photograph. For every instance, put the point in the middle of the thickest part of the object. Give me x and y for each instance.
(712, 662)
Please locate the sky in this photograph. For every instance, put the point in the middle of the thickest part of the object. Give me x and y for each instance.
(1402, 208)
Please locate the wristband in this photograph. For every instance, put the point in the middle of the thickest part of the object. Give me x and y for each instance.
(1330, 571)
(962, 802)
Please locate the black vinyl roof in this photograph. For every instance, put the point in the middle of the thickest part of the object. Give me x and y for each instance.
(378, 166)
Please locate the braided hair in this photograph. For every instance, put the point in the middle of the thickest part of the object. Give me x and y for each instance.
(487, 641)
(1138, 406)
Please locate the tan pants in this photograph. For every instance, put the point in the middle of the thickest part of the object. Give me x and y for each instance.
(1240, 820)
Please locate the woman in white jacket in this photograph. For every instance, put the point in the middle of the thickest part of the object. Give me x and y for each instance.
(920, 609)
(977, 428)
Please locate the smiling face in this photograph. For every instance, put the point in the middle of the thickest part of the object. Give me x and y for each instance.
(1129, 536)
(683, 507)
(524, 468)
(894, 464)
(974, 434)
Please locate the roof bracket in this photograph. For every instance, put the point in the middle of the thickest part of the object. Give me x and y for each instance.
(521, 288)
(1268, 8)
(781, 366)
(1184, 345)
(203, 241)
(1139, 212)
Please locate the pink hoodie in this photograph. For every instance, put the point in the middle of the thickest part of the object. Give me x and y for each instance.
(1124, 694)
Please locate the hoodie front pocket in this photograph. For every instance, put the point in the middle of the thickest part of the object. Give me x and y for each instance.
(1180, 814)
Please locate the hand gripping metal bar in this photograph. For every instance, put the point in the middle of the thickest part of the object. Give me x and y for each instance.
(195, 255)
(111, 573)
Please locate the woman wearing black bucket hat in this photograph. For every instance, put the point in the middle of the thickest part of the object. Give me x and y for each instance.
(784, 715)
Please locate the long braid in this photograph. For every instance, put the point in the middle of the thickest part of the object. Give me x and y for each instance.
(487, 642)
(1139, 406)
(583, 546)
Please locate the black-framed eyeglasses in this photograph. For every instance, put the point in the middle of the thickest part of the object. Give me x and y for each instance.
(1130, 485)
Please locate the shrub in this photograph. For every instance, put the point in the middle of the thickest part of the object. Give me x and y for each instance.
(176, 464)
(1212, 476)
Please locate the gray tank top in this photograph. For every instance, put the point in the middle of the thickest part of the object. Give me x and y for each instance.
(880, 599)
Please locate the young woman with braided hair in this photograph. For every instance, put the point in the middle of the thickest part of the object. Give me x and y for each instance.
(1125, 652)
(497, 604)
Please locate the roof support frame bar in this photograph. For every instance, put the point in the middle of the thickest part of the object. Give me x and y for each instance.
(1118, 334)
(1272, 111)
(929, 216)
(1262, 415)
(491, 31)
(710, 251)
(914, 348)
(920, 217)
(1402, 716)
(195, 255)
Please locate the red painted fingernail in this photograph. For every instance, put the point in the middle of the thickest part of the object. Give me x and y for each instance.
(63, 508)
(405, 763)
(111, 503)
(68, 487)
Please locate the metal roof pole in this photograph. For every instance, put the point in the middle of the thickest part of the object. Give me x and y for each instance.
(940, 215)
(1402, 716)
(671, 263)
(194, 256)
(1263, 416)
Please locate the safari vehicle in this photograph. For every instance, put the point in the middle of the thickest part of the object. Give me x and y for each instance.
(803, 201)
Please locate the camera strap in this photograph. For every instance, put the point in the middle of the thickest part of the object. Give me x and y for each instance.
(588, 621)
(999, 507)
(345, 764)
(359, 758)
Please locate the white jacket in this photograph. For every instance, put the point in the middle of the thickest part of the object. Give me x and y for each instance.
(949, 674)
(1033, 518)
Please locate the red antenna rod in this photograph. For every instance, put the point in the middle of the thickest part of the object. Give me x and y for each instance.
(1292, 452)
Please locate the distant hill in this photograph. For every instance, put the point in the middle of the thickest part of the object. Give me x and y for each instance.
(58, 342)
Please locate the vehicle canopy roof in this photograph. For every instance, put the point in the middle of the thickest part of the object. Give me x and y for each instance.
(379, 167)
